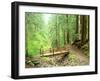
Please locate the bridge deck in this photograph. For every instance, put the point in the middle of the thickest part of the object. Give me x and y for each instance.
(55, 53)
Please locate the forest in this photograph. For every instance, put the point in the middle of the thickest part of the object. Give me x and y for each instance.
(56, 40)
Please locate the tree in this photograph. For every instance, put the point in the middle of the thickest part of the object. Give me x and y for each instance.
(77, 24)
(67, 28)
(87, 28)
(83, 22)
(57, 32)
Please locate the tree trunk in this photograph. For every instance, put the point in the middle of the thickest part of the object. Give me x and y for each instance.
(77, 24)
(67, 29)
(64, 36)
(57, 33)
(68, 37)
(88, 24)
(83, 28)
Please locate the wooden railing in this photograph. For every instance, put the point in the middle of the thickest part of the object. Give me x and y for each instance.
(54, 51)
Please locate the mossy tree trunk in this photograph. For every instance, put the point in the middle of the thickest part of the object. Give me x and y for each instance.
(67, 29)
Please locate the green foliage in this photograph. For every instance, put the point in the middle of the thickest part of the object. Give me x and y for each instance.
(42, 34)
(85, 49)
(72, 27)
(45, 59)
(36, 35)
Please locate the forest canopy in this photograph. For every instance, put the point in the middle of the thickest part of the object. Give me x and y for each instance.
(49, 31)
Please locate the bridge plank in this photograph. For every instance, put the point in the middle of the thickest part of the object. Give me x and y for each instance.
(55, 53)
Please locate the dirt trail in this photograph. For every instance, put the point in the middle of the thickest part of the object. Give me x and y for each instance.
(79, 53)
(75, 58)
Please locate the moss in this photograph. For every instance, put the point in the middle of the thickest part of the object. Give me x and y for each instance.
(85, 49)
(45, 58)
(72, 59)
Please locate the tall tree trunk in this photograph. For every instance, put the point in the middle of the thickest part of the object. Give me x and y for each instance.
(77, 24)
(67, 30)
(57, 33)
(68, 37)
(88, 24)
(77, 27)
(83, 28)
(64, 36)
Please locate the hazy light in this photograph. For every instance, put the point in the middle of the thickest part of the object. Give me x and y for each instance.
(46, 18)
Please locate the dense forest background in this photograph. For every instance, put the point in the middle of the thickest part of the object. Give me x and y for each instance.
(44, 32)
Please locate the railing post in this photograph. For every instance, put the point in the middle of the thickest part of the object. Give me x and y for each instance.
(53, 51)
(50, 50)
(40, 52)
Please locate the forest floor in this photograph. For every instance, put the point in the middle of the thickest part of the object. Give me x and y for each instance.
(76, 57)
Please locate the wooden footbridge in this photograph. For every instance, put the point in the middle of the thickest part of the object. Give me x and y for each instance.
(54, 53)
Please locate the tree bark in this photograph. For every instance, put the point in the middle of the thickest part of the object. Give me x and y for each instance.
(57, 33)
(88, 24)
(77, 24)
(68, 37)
(67, 29)
(83, 28)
